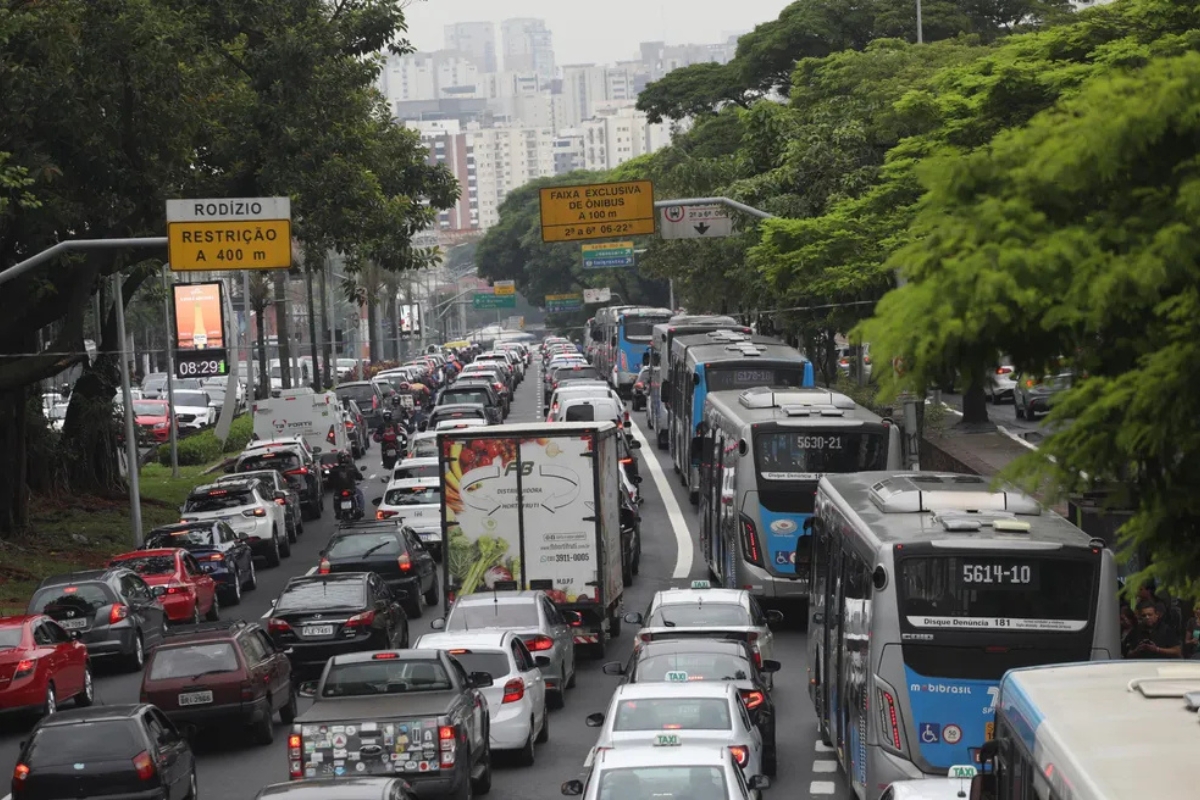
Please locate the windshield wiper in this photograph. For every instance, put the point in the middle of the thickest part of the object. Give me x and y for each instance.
(666, 622)
(212, 672)
(379, 546)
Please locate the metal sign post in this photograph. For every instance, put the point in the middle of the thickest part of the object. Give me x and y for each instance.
(131, 454)
(173, 430)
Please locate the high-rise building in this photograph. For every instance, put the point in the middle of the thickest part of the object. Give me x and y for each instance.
(528, 47)
(428, 76)
(505, 159)
(617, 134)
(587, 86)
(448, 145)
(475, 40)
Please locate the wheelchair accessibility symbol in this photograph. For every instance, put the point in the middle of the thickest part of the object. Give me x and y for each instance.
(785, 557)
(931, 733)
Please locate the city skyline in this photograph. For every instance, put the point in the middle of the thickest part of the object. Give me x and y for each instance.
(581, 37)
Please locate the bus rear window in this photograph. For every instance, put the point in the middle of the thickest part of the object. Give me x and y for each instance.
(718, 378)
(988, 592)
(805, 455)
(640, 329)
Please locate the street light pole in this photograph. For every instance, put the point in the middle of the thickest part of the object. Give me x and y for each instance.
(920, 26)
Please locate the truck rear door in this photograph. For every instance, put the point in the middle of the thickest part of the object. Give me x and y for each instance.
(371, 747)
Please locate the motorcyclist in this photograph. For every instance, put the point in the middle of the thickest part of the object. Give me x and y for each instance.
(344, 476)
(390, 435)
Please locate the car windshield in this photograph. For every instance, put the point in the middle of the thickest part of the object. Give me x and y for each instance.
(662, 783)
(362, 394)
(414, 496)
(276, 461)
(492, 615)
(385, 676)
(147, 565)
(322, 594)
(424, 471)
(218, 500)
(673, 713)
(424, 448)
(359, 545)
(208, 658)
(150, 409)
(493, 662)
(201, 537)
(85, 596)
(10, 637)
(191, 399)
(676, 667)
(82, 743)
(700, 615)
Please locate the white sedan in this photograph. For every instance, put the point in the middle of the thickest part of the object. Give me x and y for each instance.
(517, 697)
(667, 771)
(701, 713)
(411, 501)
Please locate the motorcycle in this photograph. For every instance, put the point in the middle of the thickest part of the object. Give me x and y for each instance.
(347, 508)
(391, 453)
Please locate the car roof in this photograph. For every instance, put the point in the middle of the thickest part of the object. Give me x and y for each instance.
(417, 461)
(931, 789)
(686, 755)
(345, 788)
(363, 656)
(457, 407)
(94, 713)
(468, 640)
(248, 476)
(352, 383)
(333, 577)
(503, 597)
(640, 691)
(153, 551)
(244, 483)
(411, 483)
(668, 597)
(17, 620)
(178, 527)
(424, 435)
(693, 646)
(81, 576)
(205, 632)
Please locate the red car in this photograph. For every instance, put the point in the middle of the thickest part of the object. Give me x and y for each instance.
(184, 590)
(151, 418)
(41, 665)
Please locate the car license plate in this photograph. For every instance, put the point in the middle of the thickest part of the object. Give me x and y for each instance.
(318, 630)
(195, 698)
(989, 731)
(73, 624)
(430, 538)
(346, 505)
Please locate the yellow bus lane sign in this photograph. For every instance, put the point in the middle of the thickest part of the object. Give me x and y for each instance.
(597, 211)
(229, 233)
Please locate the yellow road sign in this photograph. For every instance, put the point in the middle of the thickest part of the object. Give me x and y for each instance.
(233, 244)
(504, 287)
(597, 211)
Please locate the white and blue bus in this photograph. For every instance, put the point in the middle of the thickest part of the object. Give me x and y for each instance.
(762, 453)
(926, 589)
(628, 337)
(660, 345)
(713, 362)
(1096, 731)
(602, 328)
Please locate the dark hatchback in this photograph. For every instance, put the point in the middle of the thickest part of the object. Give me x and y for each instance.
(293, 462)
(317, 617)
(130, 752)
(222, 554)
(390, 551)
(114, 612)
(369, 398)
(686, 660)
(475, 393)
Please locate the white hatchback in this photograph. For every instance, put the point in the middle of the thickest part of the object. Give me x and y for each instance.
(411, 501)
(517, 697)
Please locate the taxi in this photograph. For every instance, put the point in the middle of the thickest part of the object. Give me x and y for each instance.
(667, 772)
(675, 714)
(955, 786)
(704, 612)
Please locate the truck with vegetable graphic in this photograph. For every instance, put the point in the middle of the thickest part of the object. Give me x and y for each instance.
(536, 506)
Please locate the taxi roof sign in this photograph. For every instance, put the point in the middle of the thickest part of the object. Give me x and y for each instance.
(962, 771)
(701, 585)
(667, 740)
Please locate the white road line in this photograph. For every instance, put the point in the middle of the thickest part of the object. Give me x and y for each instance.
(825, 766)
(822, 787)
(823, 748)
(683, 537)
(268, 611)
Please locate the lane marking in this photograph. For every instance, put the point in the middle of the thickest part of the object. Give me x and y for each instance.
(268, 611)
(822, 787)
(825, 766)
(683, 537)
(823, 748)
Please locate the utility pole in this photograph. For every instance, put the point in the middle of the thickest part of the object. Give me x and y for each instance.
(173, 430)
(920, 25)
(132, 467)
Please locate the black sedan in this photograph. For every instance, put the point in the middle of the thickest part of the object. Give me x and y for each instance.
(683, 660)
(222, 553)
(392, 552)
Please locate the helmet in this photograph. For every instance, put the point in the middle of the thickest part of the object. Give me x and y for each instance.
(344, 459)
(387, 416)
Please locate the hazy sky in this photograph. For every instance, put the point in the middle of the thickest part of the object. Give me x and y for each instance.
(599, 31)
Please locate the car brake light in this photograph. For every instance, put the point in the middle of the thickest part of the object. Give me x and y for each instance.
(213, 557)
(144, 765)
(539, 643)
(295, 742)
(248, 692)
(363, 620)
(279, 501)
(384, 657)
(646, 637)
(750, 550)
(626, 460)
(448, 744)
(323, 568)
(891, 724)
(639, 385)
(278, 625)
(24, 667)
(514, 690)
(254, 512)
(1003, 370)
(741, 754)
(300, 471)
(20, 773)
(753, 699)
(345, 493)
(385, 514)
(404, 562)
(119, 612)
(178, 588)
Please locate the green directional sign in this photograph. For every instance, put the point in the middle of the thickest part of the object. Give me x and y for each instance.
(484, 300)
(560, 303)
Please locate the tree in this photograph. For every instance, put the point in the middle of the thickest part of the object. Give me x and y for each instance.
(1077, 236)
(693, 91)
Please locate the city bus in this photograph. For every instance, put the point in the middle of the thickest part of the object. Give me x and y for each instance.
(718, 361)
(926, 588)
(660, 345)
(602, 331)
(763, 451)
(628, 337)
(1094, 731)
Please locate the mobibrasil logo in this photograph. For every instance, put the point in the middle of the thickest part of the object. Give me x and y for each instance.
(939, 688)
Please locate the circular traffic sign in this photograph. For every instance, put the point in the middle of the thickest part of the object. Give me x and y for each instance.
(951, 734)
(898, 366)
(674, 213)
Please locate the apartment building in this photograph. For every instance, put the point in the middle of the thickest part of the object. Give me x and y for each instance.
(616, 134)
(528, 47)
(503, 159)
(449, 145)
(476, 41)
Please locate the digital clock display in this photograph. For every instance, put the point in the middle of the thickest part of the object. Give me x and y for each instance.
(207, 363)
(996, 574)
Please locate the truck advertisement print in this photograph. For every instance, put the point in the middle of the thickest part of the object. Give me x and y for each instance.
(485, 502)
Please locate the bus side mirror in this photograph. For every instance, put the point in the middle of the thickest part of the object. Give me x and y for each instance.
(695, 379)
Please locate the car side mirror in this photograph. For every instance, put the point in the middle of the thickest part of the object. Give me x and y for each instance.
(229, 468)
(438, 624)
(158, 591)
(241, 537)
(594, 720)
(613, 668)
(281, 496)
(572, 788)
(385, 479)
(770, 665)
(774, 617)
(759, 782)
(635, 444)
(307, 689)
(375, 502)
(480, 680)
(543, 661)
(633, 618)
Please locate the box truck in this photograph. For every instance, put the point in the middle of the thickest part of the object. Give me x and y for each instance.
(314, 416)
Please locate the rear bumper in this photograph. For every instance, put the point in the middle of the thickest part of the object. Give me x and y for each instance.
(309, 658)
(206, 716)
(152, 794)
(438, 786)
(108, 641)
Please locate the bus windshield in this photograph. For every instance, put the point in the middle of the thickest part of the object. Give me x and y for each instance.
(640, 329)
(806, 454)
(722, 377)
(989, 592)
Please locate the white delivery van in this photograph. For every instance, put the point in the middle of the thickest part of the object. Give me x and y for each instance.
(316, 417)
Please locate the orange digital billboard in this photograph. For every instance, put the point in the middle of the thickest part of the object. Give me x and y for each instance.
(199, 316)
